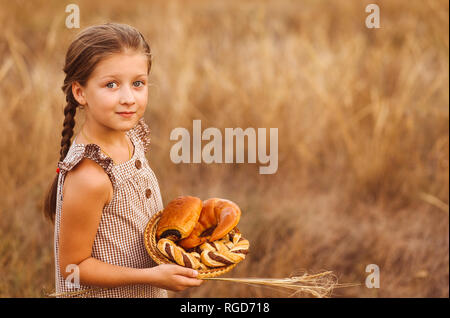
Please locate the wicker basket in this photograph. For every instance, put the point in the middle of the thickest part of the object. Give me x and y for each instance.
(159, 258)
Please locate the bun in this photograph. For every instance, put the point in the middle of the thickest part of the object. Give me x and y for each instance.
(218, 217)
(179, 218)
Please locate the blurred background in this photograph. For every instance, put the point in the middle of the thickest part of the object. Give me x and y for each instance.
(363, 128)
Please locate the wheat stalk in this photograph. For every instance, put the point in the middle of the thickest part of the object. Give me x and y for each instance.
(76, 293)
(318, 285)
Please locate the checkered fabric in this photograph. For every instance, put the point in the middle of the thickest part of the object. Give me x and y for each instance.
(120, 235)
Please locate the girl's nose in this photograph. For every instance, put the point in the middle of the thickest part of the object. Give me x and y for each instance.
(126, 95)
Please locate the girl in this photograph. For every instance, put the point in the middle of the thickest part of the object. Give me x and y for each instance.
(105, 192)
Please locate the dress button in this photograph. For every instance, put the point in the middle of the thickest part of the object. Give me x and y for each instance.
(138, 164)
(148, 193)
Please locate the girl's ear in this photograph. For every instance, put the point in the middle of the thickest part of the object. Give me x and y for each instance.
(78, 93)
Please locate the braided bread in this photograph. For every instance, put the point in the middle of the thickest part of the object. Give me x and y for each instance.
(230, 250)
(179, 255)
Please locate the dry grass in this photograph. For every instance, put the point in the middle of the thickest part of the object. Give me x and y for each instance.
(363, 123)
(317, 285)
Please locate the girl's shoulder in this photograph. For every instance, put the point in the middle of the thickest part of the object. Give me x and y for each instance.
(88, 177)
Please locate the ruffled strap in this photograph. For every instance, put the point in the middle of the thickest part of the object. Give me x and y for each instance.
(90, 151)
(142, 133)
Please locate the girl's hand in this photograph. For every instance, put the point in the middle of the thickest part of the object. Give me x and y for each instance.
(174, 277)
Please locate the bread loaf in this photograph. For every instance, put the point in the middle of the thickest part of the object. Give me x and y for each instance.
(179, 218)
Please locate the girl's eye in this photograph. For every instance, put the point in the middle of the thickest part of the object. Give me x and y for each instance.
(110, 85)
(138, 82)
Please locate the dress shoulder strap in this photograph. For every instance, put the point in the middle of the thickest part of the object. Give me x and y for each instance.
(90, 151)
(141, 132)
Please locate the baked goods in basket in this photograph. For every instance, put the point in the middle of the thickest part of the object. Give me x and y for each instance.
(227, 251)
(179, 217)
(172, 251)
(218, 215)
(201, 235)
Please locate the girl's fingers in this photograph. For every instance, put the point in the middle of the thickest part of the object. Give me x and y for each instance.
(189, 282)
(184, 271)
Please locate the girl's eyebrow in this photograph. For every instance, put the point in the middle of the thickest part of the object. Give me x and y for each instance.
(117, 75)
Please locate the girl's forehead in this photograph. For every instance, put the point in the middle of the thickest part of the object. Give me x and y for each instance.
(127, 63)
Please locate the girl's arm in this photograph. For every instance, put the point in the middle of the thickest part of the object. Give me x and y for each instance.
(173, 277)
(87, 189)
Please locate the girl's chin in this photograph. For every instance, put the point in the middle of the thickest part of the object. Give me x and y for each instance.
(128, 125)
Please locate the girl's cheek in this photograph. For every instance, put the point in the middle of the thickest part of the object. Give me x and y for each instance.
(143, 96)
(143, 100)
(109, 97)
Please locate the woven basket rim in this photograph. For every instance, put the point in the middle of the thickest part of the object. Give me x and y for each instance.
(159, 258)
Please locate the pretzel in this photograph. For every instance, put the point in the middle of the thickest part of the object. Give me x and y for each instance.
(179, 255)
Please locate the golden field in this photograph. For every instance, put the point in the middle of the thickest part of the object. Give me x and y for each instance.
(363, 133)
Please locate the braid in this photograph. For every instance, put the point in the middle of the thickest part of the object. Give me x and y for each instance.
(67, 133)
(68, 125)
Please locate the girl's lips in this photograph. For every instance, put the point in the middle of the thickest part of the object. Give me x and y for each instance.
(126, 114)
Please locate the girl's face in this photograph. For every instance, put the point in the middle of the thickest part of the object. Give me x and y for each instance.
(118, 84)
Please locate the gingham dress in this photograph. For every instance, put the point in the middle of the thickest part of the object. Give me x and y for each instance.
(120, 235)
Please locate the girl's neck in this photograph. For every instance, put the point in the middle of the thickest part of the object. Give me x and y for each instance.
(103, 136)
